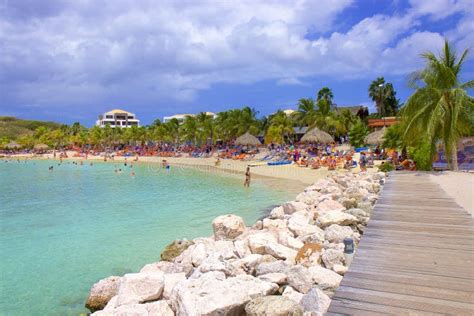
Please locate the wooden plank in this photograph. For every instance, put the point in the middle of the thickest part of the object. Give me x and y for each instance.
(415, 256)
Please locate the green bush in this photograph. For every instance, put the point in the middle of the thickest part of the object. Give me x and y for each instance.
(386, 167)
(357, 134)
(422, 155)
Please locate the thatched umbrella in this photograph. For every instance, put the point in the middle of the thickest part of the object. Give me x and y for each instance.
(317, 136)
(247, 140)
(13, 145)
(41, 147)
(375, 138)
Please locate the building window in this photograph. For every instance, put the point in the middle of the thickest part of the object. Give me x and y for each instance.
(109, 116)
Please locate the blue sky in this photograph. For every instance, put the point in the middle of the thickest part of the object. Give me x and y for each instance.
(72, 60)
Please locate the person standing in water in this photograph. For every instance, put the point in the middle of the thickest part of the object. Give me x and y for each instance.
(247, 177)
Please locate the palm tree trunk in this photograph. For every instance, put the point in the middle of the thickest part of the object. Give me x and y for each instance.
(454, 157)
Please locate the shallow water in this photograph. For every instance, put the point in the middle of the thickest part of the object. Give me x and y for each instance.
(63, 230)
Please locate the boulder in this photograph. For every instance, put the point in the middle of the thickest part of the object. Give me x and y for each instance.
(228, 227)
(308, 197)
(348, 202)
(340, 269)
(355, 192)
(162, 266)
(373, 187)
(366, 206)
(361, 215)
(278, 266)
(286, 238)
(332, 257)
(211, 294)
(198, 254)
(336, 233)
(277, 212)
(292, 294)
(257, 242)
(242, 248)
(278, 278)
(101, 293)
(330, 206)
(161, 308)
(280, 252)
(274, 223)
(215, 263)
(315, 301)
(324, 278)
(336, 217)
(174, 249)
(314, 238)
(299, 279)
(293, 207)
(299, 225)
(273, 305)
(140, 288)
(170, 281)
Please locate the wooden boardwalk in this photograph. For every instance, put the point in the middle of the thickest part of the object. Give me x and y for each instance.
(416, 256)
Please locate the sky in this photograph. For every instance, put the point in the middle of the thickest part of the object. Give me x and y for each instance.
(70, 61)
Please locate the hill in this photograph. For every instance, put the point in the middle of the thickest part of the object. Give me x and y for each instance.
(12, 127)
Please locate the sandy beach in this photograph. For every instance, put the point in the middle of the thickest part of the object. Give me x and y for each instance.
(459, 185)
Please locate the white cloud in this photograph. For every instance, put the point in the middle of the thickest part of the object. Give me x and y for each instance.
(90, 52)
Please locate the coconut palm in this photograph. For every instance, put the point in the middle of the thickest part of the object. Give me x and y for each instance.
(206, 127)
(281, 128)
(306, 113)
(326, 94)
(383, 94)
(440, 108)
(190, 129)
(357, 134)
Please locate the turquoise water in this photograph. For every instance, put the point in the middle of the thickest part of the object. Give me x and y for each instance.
(61, 231)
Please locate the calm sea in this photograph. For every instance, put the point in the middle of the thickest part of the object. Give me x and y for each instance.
(63, 230)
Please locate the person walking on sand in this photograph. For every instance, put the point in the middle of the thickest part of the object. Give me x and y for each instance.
(247, 177)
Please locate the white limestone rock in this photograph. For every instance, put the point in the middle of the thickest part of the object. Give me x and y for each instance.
(315, 301)
(336, 233)
(242, 248)
(278, 266)
(299, 278)
(336, 217)
(286, 238)
(277, 213)
(257, 242)
(277, 277)
(279, 251)
(308, 197)
(299, 225)
(324, 278)
(330, 206)
(274, 305)
(171, 280)
(274, 223)
(293, 207)
(140, 288)
(161, 308)
(212, 295)
(292, 294)
(361, 215)
(102, 292)
(332, 257)
(228, 227)
(162, 266)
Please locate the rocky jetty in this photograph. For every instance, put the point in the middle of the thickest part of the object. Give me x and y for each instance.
(289, 263)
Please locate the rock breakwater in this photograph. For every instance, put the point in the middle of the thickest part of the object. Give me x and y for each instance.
(290, 262)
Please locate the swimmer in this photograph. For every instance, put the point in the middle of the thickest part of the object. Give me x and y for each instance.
(91, 164)
(132, 174)
(247, 177)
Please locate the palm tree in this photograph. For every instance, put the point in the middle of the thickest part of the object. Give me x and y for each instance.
(190, 129)
(206, 127)
(357, 134)
(382, 92)
(326, 94)
(440, 108)
(306, 113)
(281, 128)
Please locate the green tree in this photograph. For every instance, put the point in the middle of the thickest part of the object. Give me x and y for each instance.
(325, 94)
(306, 114)
(190, 129)
(281, 128)
(440, 108)
(384, 96)
(357, 134)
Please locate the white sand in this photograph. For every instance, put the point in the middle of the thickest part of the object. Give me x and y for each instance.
(459, 185)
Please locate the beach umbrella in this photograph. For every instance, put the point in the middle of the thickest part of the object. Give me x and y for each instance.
(247, 140)
(375, 138)
(41, 147)
(317, 136)
(13, 145)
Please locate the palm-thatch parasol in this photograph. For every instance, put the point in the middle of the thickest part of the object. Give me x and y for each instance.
(13, 145)
(247, 139)
(317, 136)
(41, 147)
(375, 138)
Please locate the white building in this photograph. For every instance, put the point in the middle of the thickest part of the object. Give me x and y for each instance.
(118, 118)
(182, 117)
